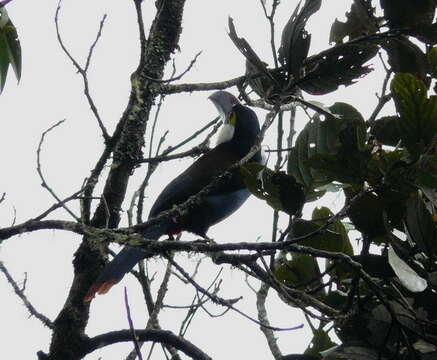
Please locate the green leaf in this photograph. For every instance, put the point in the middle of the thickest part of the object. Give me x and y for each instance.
(386, 130)
(301, 272)
(14, 48)
(366, 213)
(330, 148)
(424, 33)
(406, 57)
(295, 40)
(425, 171)
(335, 299)
(334, 238)
(4, 61)
(348, 164)
(10, 50)
(244, 47)
(407, 13)
(418, 113)
(358, 23)
(279, 190)
(318, 136)
(333, 167)
(336, 227)
(320, 342)
(420, 227)
(340, 65)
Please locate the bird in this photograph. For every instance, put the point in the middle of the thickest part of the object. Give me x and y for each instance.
(238, 134)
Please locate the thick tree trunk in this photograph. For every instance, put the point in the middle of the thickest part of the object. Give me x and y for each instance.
(69, 337)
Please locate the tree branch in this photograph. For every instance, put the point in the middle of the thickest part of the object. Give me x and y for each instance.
(261, 296)
(160, 336)
(20, 293)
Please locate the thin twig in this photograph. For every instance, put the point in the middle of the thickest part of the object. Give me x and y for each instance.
(180, 76)
(191, 137)
(131, 325)
(199, 304)
(93, 45)
(57, 205)
(141, 30)
(279, 139)
(41, 175)
(164, 156)
(20, 293)
(227, 303)
(160, 297)
(83, 70)
(270, 18)
(193, 152)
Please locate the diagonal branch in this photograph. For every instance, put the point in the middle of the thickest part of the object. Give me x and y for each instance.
(20, 293)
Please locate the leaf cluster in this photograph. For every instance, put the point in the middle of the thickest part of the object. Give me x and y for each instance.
(386, 168)
(10, 49)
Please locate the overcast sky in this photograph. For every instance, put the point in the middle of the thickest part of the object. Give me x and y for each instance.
(50, 91)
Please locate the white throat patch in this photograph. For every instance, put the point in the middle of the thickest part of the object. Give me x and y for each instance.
(226, 133)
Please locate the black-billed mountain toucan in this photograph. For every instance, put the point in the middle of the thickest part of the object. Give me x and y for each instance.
(238, 134)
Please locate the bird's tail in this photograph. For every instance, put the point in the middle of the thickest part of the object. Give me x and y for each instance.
(115, 270)
(122, 263)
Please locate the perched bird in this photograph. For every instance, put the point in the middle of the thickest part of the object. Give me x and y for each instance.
(237, 136)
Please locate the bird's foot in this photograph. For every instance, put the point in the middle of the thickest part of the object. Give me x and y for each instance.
(205, 240)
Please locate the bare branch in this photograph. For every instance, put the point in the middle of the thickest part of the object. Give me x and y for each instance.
(261, 297)
(41, 175)
(83, 71)
(198, 302)
(20, 293)
(57, 205)
(153, 320)
(193, 152)
(227, 303)
(193, 136)
(180, 76)
(131, 325)
(220, 85)
(270, 18)
(383, 98)
(141, 29)
(160, 336)
(93, 45)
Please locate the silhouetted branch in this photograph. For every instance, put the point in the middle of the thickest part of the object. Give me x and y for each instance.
(131, 326)
(83, 70)
(383, 99)
(41, 175)
(160, 336)
(195, 151)
(180, 76)
(20, 293)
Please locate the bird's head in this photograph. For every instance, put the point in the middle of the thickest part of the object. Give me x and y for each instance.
(225, 102)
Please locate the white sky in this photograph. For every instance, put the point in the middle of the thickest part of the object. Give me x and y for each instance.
(50, 91)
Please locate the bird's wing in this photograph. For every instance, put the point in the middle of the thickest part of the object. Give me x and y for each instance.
(197, 176)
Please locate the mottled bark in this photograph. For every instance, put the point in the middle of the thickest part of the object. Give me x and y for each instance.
(69, 339)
